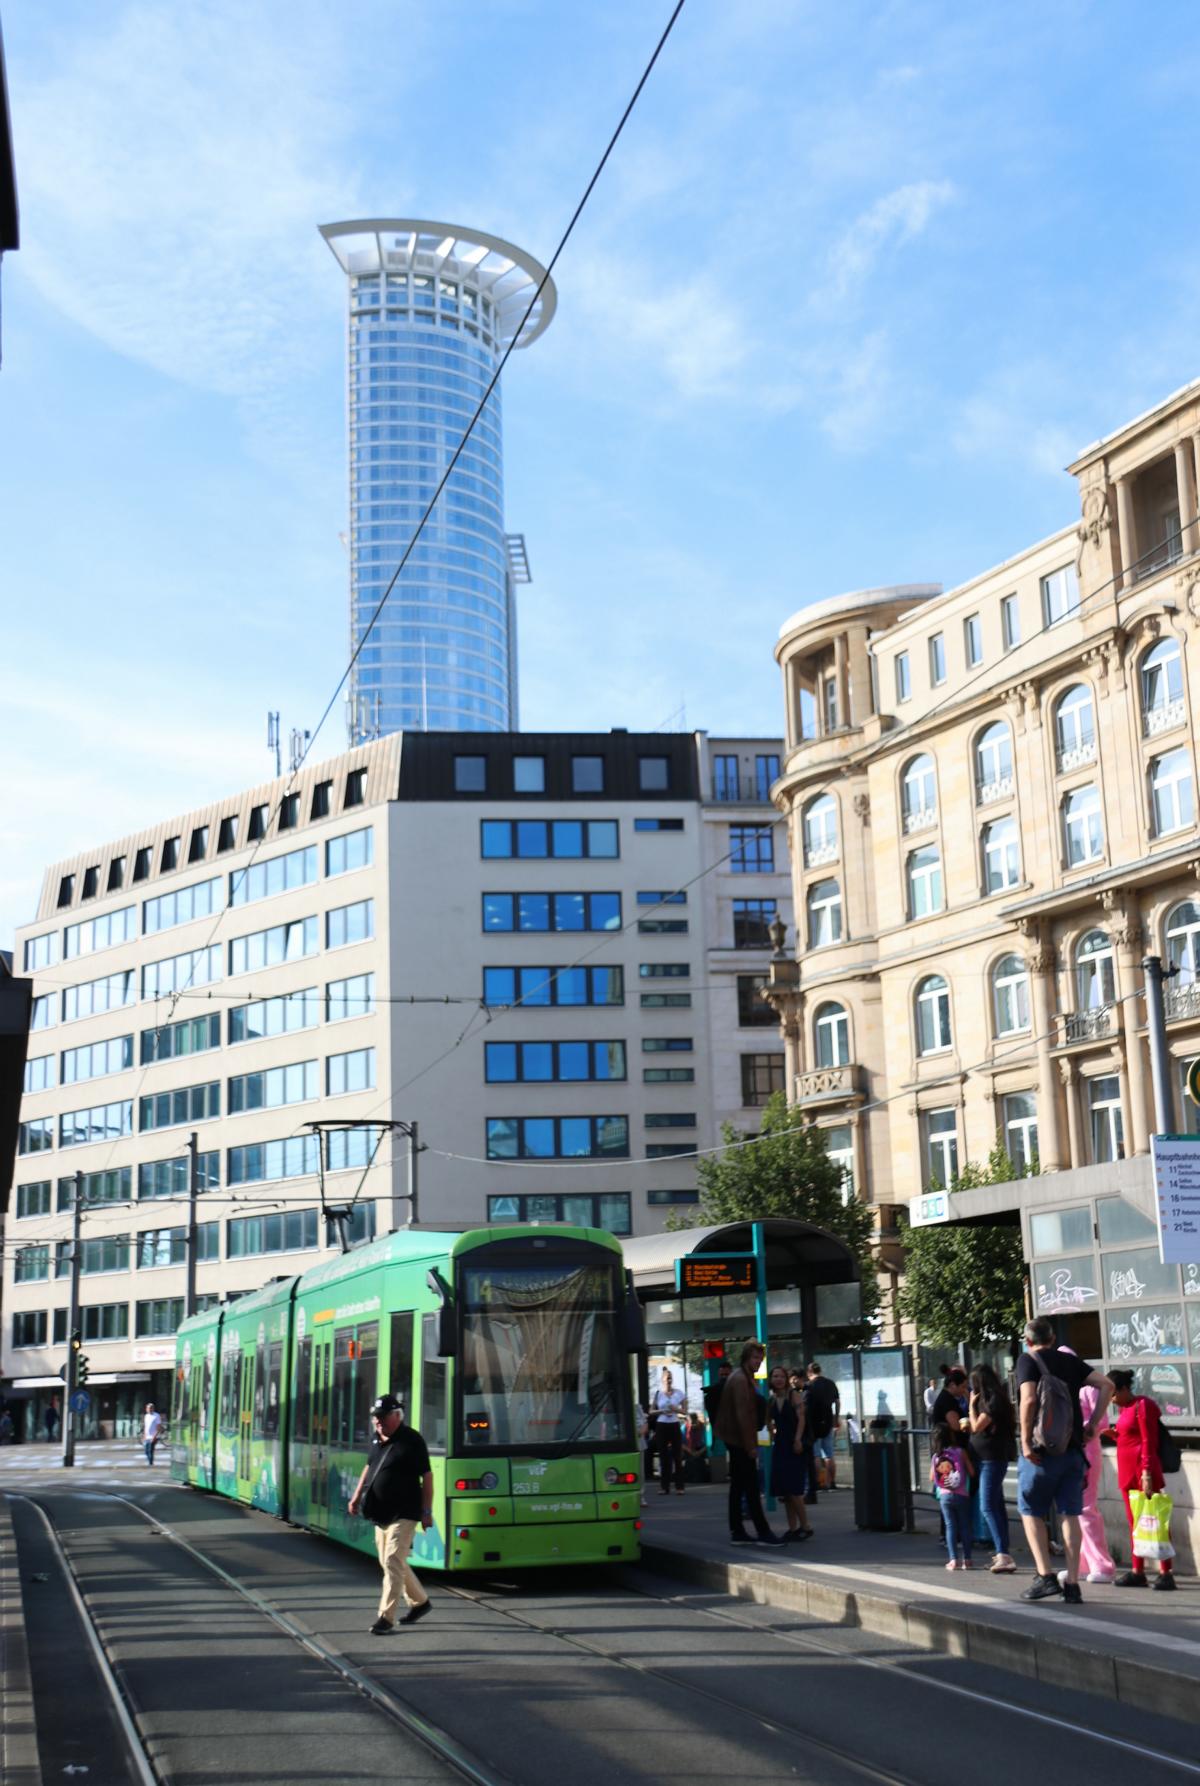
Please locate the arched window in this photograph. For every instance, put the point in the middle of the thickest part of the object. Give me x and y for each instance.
(993, 764)
(933, 1015)
(1095, 975)
(1172, 801)
(824, 903)
(1010, 996)
(918, 794)
(831, 1035)
(1001, 856)
(923, 871)
(1083, 826)
(1183, 941)
(1162, 687)
(820, 831)
(1075, 727)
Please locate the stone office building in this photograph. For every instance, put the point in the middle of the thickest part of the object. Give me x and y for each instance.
(991, 796)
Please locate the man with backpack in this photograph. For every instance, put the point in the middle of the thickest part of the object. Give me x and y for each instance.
(1051, 1467)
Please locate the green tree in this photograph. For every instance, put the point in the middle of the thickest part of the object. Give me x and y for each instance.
(965, 1286)
(787, 1173)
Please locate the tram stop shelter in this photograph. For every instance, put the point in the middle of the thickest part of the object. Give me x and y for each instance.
(795, 1287)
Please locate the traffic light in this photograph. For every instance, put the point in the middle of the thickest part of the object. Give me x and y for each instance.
(81, 1369)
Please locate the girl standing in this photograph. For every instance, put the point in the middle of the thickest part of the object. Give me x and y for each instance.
(950, 1472)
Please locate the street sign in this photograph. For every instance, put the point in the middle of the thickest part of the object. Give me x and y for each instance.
(930, 1207)
(1177, 1197)
(709, 1273)
(81, 1401)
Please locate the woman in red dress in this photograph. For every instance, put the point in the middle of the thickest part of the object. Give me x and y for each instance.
(1138, 1467)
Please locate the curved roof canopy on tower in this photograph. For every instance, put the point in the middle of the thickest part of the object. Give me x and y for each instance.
(506, 274)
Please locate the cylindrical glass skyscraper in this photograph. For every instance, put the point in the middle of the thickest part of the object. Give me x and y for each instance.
(432, 308)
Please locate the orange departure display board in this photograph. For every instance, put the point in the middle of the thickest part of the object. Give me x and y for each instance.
(710, 1273)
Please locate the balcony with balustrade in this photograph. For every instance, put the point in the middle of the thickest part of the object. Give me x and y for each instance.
(830, 1085)
(1096, 1025)
(1075, 756)
(999, 788)
(922, 818)
(1163, 717)
(1181, 1001)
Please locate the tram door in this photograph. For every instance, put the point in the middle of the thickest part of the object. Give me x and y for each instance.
(322, 1366)
(245, 1424)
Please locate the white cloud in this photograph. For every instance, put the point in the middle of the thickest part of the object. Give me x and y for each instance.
(892, 221)
(691, 330)
(175, 163)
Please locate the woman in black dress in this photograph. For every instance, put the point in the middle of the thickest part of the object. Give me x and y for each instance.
(789, 1465)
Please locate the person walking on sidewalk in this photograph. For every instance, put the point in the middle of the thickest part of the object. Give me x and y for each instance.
(1139, 1466)
(789, 1470)
(993, 1447)
(395, 1492)
(1095, 1558)
(739, 1415)
(1050, 1469)
(152, 1425)
(668, 1405)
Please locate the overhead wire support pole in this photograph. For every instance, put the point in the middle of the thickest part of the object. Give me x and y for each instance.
(189, 1293)
(1156, 1035)
(68, 1413)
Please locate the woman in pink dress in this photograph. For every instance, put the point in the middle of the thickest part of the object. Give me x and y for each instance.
(1095, 1557)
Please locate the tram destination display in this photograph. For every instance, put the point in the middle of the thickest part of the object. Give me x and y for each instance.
(709, 1274)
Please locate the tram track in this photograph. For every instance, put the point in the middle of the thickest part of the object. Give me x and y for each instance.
(775, 1720)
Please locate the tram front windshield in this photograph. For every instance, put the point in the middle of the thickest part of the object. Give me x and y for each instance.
(540, 1362)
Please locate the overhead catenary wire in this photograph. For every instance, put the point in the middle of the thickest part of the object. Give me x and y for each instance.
(565, 237)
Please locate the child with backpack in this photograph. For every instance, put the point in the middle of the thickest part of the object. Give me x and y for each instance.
(950, 1472)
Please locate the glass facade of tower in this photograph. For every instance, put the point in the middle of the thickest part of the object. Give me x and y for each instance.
(430, 315)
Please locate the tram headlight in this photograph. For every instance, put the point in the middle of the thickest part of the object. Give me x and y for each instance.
(611, 1477)
(489, 1480)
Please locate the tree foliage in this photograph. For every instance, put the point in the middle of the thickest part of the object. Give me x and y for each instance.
(965, 1286)
(787, 1173)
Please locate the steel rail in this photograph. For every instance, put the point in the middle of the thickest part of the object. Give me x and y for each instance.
(445, 1746)
(122, 1703)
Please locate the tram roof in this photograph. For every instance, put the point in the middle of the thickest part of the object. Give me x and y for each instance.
(796, 1253)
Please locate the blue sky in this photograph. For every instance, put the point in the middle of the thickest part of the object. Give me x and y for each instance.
(856, 284)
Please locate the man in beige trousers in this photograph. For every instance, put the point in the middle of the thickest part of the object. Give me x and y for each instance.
(395, 1492)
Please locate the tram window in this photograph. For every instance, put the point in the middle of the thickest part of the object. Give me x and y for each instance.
(274, 1372)
(302, 1400)
(400, 1370)
(231, 1391)
(366, 1372)
(206, 1399)
(343, 1386)
(260, 1388)
(433, 1387)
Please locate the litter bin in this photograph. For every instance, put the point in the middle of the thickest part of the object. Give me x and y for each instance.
(879, 1486)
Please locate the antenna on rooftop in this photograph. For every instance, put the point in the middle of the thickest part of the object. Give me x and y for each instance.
(273, 742)
(299, 744)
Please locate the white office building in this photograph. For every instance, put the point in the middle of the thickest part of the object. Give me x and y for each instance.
(544, 951)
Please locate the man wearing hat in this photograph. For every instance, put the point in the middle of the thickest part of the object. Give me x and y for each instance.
(395, 1492)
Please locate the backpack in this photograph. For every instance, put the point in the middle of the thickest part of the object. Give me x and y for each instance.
(1169, 1454)
(947, 1472)
(1054, 1427)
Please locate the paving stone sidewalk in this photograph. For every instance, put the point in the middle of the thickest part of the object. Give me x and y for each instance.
(1136, 1645)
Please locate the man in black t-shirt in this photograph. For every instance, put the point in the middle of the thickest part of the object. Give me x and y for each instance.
(1046, 1479)
(821, 1408)
(395, 1492)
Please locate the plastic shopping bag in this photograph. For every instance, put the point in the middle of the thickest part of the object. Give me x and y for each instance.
(1151, 1525)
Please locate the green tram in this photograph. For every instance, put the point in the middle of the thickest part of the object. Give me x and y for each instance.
(509, 1348)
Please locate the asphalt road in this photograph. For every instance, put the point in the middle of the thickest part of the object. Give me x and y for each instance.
(552, 1679)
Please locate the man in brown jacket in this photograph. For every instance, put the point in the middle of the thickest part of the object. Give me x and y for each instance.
(737, 1423)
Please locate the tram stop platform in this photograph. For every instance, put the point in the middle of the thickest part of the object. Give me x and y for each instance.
(1134, 1645)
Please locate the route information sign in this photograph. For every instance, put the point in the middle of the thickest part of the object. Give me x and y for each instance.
(709, 1273)
(1177, 1197)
